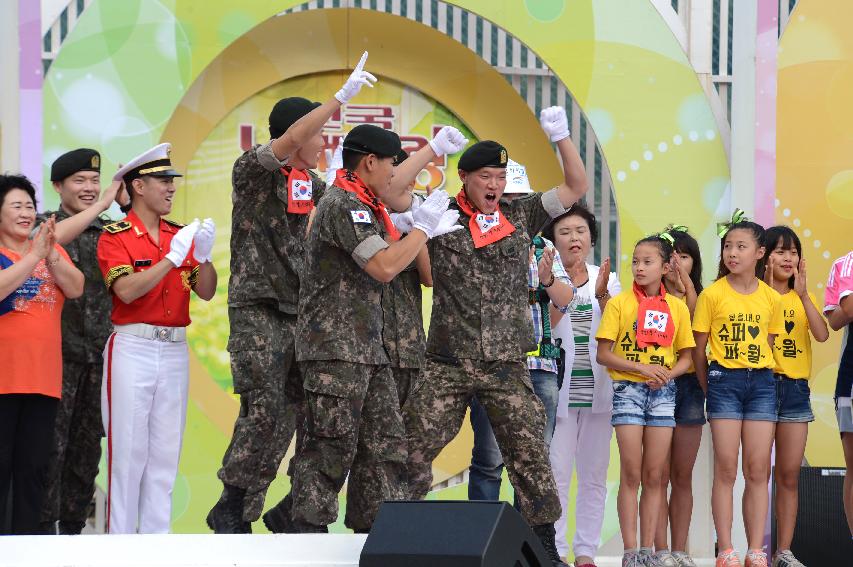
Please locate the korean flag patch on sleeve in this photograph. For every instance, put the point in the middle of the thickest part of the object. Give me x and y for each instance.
(361, 217)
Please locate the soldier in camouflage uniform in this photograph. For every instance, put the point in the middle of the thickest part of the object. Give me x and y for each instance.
(481, 328)
(403, 332)
(85, 328)
(353, 421)
(273, 198)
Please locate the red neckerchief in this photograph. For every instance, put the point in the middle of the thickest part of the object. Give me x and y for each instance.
(654, 319)
(300, 199)
(351, 182)
(485, 229)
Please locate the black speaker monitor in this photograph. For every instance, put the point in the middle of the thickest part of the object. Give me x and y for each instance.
(451, 534)
(821, 537)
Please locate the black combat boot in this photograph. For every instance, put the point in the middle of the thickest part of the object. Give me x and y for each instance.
(226, 517)
(71, 528)
(278, 520)
(45, 528)
(546, 533)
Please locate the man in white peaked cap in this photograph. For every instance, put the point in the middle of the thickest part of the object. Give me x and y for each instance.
(150, 265)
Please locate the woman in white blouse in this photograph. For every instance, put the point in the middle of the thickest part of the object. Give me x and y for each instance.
(583, 414)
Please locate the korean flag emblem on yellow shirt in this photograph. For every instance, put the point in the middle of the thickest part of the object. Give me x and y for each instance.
(300, 190)
(655, 320)
(360, 217)
(488, 222)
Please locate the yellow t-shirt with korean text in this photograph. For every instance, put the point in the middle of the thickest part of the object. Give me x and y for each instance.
(737, 324)
(619, 324)
(792, 349)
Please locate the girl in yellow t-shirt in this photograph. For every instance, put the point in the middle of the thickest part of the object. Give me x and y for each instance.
(798, 321)
(684, 281)
(733, 317)
(644, 340)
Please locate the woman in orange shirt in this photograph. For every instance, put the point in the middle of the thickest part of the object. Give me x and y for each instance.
(35, 278)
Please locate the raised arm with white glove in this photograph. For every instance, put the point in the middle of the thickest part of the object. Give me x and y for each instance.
(181, 243)
(556, 126)
(448, 140)
(357, 79)
(555, 123)
(204, 238)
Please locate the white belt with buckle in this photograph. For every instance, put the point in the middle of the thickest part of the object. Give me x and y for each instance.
(154, 332)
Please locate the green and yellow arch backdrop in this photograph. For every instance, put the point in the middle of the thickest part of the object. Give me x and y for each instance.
(134, 73)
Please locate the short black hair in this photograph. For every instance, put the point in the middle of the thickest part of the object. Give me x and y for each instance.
(784, 235)
(686, 244)
(579, 209)
(664, 246)
(351, 159)
(16, 181)
(757, 233)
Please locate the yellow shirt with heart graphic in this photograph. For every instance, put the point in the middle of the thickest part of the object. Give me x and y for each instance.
(738, 324)
(792, 348)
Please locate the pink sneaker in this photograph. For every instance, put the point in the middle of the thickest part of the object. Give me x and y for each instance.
(728, 558)
(756, 558)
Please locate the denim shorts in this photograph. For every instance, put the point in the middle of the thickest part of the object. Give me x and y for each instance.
(634, 403)
(741, 393)
(844, 415)
(794, 400)
(689, 401)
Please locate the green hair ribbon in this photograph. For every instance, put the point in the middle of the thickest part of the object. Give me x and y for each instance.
(668, 237)
(737, 216)
(676, 227)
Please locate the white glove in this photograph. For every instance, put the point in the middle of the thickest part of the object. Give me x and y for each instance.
(181, 243)
(334, 161)
(405, 221)
(357, 79)
(449, 140)
(428, 216)
(448, 223)
(204, 238)
(555, 123)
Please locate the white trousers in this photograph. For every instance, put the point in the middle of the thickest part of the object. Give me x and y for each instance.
(144, 408)
(582, 440)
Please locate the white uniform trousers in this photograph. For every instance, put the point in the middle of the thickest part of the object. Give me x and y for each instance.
(144, 408)
(584, 435)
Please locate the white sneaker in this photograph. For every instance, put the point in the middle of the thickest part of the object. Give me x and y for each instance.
(682, 559)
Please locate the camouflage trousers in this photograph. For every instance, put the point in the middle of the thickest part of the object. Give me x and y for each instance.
(435, 411)
(405, 379)
(76, 449)
(352, 427)
(267, 379)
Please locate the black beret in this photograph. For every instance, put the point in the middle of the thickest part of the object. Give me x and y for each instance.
(82, 159)
(402, 156)
(483, 154)
(370, 139)
(287, 111)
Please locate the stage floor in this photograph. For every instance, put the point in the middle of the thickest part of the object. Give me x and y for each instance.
(202, 550)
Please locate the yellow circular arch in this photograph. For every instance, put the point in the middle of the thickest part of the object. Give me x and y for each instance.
(465, 84)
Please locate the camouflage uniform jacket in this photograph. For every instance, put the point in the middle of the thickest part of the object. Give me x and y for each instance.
(86, 324)
(340, 307)
(267, 243)
(403, 333)
(480, 304)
